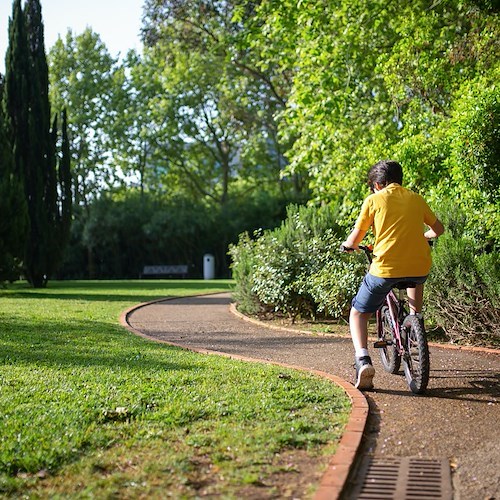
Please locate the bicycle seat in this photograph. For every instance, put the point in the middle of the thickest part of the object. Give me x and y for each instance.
(403, 285)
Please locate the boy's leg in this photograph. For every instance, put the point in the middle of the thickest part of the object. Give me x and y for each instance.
(416, 298)
(358, 325)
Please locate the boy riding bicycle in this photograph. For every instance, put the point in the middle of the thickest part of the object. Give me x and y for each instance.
(400, 253)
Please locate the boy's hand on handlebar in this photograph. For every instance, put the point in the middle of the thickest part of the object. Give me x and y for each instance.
(346, 248)
(368, 249)
(352, 241)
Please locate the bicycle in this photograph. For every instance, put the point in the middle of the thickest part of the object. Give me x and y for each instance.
(401, 336)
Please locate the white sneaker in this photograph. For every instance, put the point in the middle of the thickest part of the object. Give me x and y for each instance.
(364, 373)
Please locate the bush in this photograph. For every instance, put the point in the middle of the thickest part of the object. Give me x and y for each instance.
(337, 281)
(463, 290)
(474, 181)
(297, 268)
(243, 263)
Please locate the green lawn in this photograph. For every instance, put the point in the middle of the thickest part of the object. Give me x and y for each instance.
(87, 409)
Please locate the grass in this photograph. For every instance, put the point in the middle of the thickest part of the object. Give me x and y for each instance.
(90, 410)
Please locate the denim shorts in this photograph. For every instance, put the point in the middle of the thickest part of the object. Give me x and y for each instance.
(373, 290)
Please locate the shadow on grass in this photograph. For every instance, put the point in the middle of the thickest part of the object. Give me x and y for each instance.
(88, 297)
(81, 344)
(134, 291)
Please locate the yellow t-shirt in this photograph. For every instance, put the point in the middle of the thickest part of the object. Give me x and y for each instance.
(397, 217)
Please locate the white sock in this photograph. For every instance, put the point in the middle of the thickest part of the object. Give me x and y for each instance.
(360, 353)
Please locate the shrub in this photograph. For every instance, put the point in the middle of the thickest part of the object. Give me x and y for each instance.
(463, 291)
(337, 281)
(474, 181)
(243, 263)
(125, 230)
(297, 269)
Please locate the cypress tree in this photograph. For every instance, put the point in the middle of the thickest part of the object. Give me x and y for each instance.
(34, 143)
(13, 221)
(61, 197)
(16, 85)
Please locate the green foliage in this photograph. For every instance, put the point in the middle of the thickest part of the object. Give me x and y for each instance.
(133, 132)
(214, 114)
(13, 223)
(336, 280)
(463, 289)
(128, 230)
(81, 399)
(297, 269)
(185, 124)
(462, 292)
(475, 157)
(243, 257)
(476, 145)
(34, 144)
(373, 80)
(239, 97)
(82, 81)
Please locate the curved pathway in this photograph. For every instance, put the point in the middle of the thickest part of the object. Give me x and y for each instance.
(457, 420)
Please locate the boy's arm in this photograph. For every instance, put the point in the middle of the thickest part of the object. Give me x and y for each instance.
(437, 229)
(354, 239)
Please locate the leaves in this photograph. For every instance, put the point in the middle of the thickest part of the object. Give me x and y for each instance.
(215, 107)
(373, 80)
(82, 81)
(297, 269)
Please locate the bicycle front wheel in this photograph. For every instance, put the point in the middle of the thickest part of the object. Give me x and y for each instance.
(389, 355)
(416, 358)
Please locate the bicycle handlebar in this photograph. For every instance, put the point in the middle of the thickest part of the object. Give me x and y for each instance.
(366, 248)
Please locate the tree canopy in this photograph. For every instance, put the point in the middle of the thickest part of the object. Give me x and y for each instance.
(231, 100)
(353, 82)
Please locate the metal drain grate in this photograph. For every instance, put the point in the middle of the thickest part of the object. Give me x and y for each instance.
(406, 479)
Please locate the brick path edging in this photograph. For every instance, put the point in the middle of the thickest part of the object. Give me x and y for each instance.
(341, 463)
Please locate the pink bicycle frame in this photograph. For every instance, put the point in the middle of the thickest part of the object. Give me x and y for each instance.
(393, 305)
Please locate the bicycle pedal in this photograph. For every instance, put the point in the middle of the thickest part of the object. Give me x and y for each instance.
(380, 344)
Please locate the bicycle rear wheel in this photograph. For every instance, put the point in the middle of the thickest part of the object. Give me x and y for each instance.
(389, 355)
(416, 359)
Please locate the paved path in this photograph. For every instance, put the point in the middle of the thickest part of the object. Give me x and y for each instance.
(458, 419)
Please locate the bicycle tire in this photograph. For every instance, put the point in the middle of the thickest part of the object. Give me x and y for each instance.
(389, 355)
(416, 359)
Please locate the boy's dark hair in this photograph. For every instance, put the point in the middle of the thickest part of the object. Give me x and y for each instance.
(384, 173)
